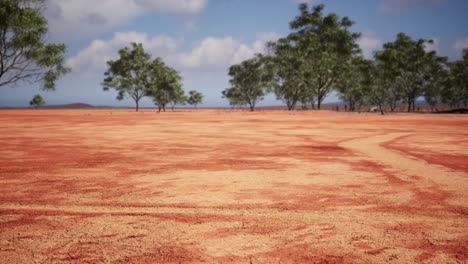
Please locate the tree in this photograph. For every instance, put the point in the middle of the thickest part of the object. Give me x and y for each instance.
(408, 65)
(127, 75)
(24, 54)
(437, 79)
(352, 84)
(162, 83)
(178, 97)
(286, 66)
(325, 45)
(377, 81)
(234, 96)
(249, 80)
(37, 101)
(457, 87)
(195, 98)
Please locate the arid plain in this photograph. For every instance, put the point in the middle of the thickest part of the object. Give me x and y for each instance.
(216, 186)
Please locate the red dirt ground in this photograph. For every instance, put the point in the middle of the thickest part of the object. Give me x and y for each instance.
(216, 186)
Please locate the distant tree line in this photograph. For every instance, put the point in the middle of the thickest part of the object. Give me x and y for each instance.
(321, 55)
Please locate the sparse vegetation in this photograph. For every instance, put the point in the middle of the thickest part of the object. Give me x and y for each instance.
(195, 98)
(37, 101)
(134, 74)
(249, 80)
(321, 55)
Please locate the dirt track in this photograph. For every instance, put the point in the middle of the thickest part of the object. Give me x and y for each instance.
(94, 186)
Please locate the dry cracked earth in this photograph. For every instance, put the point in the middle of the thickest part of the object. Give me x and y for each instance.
(215, 186)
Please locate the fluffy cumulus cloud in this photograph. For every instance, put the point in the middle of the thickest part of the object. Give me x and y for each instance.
(217, 52)
(401, 5)
(174, 6)
(91, 61)
(459, 45)
(75, 19)
(369, 42)
(209, 54)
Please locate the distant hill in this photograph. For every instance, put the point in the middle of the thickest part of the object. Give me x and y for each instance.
(68, 106)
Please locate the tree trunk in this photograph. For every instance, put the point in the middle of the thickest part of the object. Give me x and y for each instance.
(409, 105)
(137, 106)
(392, 106)
(381, 110)
(251, 105)
(319, 102)
(414, 104)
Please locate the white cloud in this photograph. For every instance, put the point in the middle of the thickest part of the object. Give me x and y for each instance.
(209, 54)
(401, 5)
(432, 47)
(76, 19)
(212, 51)
(174, 6)
(369, 42)
(91, 61)
(459, 45)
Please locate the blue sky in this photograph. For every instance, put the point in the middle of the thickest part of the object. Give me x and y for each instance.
(202, 38)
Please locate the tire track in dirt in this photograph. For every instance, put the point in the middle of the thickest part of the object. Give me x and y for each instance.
(419, 172)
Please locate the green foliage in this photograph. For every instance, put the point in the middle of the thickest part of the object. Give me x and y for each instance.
(195, 98)
(24, 54)
(249, 81)
(409, 66)
(163, 84)
(127, 75)
(456, 89)
(37, 101)
(324, 44)
(234, 96)
(353, 84)
(134, 74)
(178, 97)
(287, 68)
(377, 85)
(321, 55)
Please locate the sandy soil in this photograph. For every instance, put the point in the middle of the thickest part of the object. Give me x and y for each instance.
(212, 186)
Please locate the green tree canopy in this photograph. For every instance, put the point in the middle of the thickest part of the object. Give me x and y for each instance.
(234, 96)
(178, 97)
(377, 81)
(195, 98)
(24, 53)
(353, 84)
(288, 74)
(408, 65)
(249, 81)
(456, 89)
(163, 84)
(37, 101)
(325, 45)
(127, 75)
